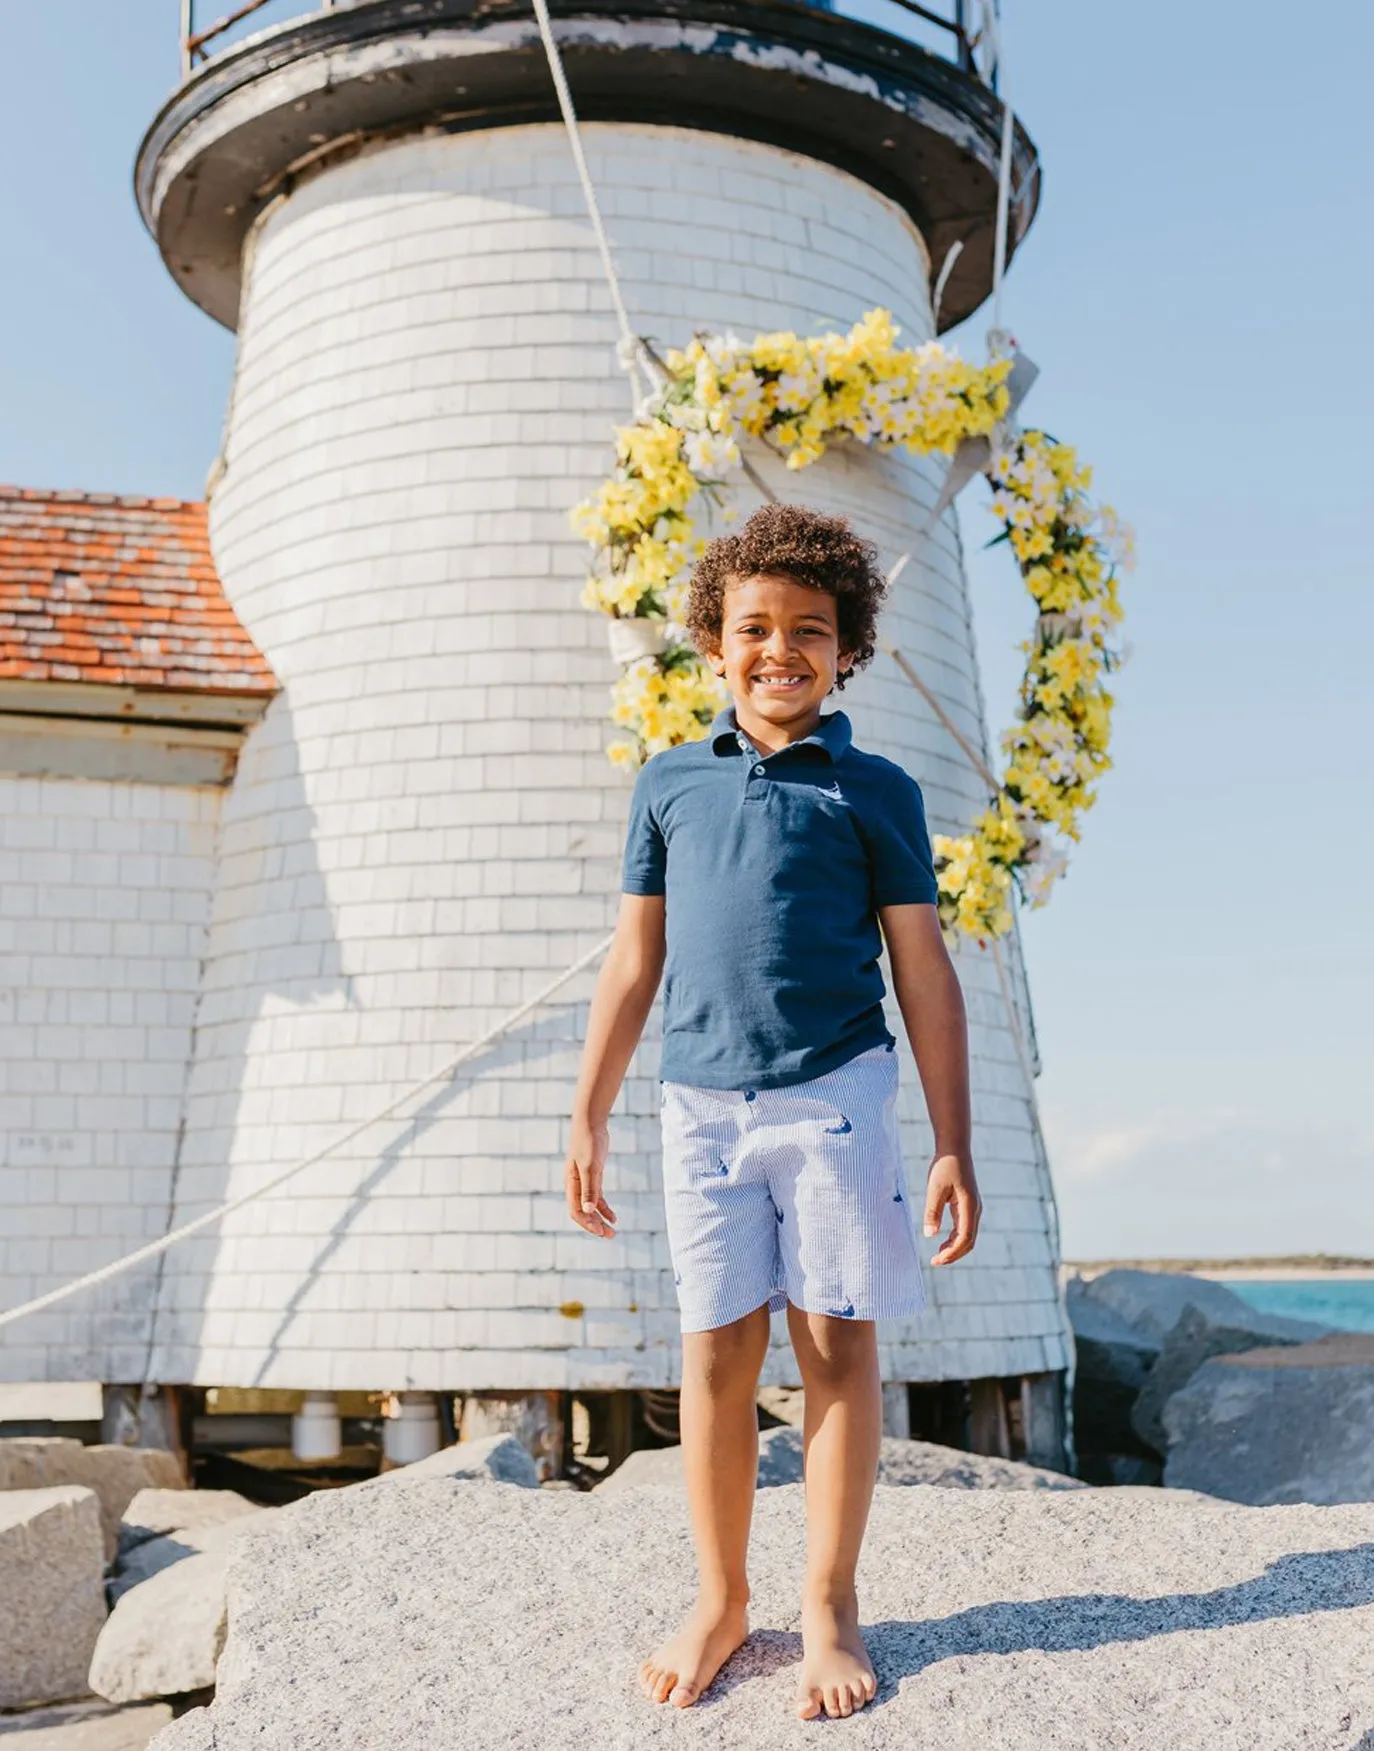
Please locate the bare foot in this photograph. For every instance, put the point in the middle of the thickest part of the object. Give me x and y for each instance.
(681, 1669)
(836, 1672)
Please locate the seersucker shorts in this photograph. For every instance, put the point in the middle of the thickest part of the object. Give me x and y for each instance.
(791, 1194)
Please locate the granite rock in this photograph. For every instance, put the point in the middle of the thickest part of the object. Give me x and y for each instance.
(1153, 1301)
(161, 1527)
(166, 1631)
(116, 1474)
(1199, 1334)
(899, 1462)
(445, 1617)
(1114, 1359)
(1290, 1424)
(52, 1600)
(1120, 1468)
(150, 1556)
(90, 1725)
(492, 1459)
(155, 1513)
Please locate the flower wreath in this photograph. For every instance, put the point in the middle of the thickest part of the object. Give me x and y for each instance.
(797, 395)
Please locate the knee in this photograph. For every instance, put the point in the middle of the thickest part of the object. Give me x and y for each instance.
(836, 1353)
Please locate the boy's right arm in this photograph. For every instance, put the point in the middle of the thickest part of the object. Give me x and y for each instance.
(621, 1001)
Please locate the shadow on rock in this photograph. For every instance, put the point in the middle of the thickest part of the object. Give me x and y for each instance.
(1293, 1586)
(767, 1651)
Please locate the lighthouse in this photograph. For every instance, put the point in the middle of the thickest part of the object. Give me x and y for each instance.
(423, 827)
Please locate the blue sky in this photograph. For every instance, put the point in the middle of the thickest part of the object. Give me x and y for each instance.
(1194, 291)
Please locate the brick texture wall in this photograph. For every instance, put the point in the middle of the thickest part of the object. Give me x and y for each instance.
(425, 828)
(104, 899)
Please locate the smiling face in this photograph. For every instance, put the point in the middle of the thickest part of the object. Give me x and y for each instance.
(779, 654)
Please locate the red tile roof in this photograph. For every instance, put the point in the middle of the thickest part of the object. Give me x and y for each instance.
(117, 590)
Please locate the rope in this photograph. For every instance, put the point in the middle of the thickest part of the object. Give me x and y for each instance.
(630, 343)
(971, 754)
(177, 1235)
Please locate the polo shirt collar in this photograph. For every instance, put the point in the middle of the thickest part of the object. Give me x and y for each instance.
(832, 735)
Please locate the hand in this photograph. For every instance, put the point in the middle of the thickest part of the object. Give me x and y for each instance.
(582, 1177)
(951, 1182)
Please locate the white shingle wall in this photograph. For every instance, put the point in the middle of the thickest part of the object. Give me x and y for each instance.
(104, 900)
(425, 828)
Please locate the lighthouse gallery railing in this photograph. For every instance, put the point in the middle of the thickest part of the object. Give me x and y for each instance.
(961, 31)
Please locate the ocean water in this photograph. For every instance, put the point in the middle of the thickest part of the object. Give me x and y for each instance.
(1347, 1302)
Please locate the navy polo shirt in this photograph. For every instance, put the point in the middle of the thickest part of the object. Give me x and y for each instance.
(774, 867)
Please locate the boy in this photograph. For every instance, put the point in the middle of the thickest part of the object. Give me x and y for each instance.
(760, 865)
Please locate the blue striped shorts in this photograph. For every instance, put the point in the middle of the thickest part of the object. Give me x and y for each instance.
(791, 1194)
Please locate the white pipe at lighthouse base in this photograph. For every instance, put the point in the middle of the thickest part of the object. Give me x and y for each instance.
(411, 1430)
(316, 1428)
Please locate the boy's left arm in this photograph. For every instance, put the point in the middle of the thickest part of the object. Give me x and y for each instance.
(932, 1006)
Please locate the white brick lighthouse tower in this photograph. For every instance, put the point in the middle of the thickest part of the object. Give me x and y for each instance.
(424, 828)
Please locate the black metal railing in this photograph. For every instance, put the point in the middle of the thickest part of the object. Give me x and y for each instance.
(961, 31)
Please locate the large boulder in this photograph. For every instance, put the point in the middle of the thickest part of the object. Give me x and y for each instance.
(492, 1459)
(899, 1462)
(52, 1600)
(1200, 1334)
(116, 1474)
(1293, 1424)
(442, 1616)
(166, 1631)
(161, 1527)
(140, 1562)
(1139, 1336)
(1114, 1359)
(1152, 1302)
(155, 1513)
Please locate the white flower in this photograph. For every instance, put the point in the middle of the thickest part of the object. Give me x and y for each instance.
(795, 391)
(1044, 865)
(746, 394)
(1096, 620)
(710, 453)
(686, 416)
(1118, 538)
(720, 349)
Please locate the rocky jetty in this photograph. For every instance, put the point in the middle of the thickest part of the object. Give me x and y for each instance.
(451, 1613)
(116, 1474)
(1141, 1336)
(900, 1462)
(1290, 1424)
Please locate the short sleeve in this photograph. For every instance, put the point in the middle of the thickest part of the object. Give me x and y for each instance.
(646, 851)
(899, 845)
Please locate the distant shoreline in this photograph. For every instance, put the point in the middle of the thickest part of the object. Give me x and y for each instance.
(1305, 1267)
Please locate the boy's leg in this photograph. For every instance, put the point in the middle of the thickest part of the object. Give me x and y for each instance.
(841, 1436)
(720, 1450)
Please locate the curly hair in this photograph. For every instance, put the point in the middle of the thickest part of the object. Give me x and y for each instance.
(817, 551)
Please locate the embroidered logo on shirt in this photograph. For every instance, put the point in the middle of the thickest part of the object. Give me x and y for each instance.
(721, 1166)
(845, 1312)
(834, 791)
(840, 1129)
